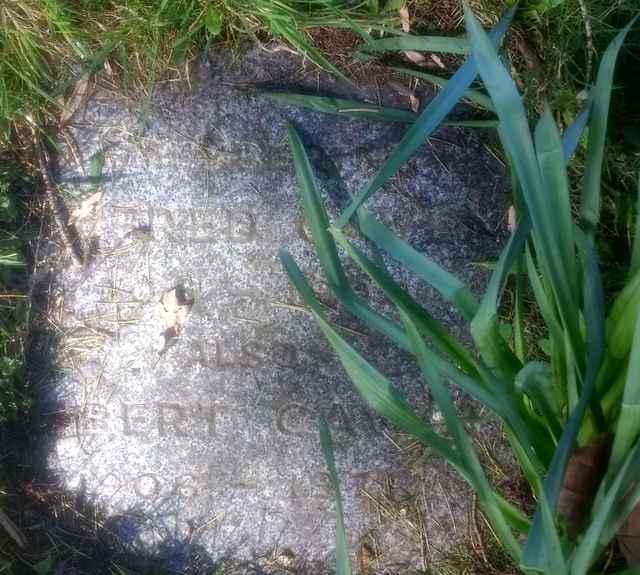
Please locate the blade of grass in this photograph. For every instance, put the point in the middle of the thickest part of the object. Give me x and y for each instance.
(428, 325)
(343, 565)
(427, 122)
(326, 248)
(443, 44)
(479, 481)
(472, 95)
(450, 287)
(295, 37)
(590, 202)
(363, 110)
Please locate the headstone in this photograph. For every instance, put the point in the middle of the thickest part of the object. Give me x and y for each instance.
(190, 374)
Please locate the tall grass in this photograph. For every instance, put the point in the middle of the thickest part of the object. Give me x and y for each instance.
(47, 46)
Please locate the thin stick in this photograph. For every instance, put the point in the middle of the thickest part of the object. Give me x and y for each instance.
(52, 198)
(591, 49)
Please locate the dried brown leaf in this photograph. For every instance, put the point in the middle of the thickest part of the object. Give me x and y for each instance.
(415, 102)
(404, 19)
(584, 473)
(629, 538)
(415, 57)
(174, 309)
(438, 61)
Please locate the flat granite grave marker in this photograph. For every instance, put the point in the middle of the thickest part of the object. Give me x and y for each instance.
(199, 424)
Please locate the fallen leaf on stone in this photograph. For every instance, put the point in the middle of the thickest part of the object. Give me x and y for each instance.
(438, 61)
(415, 57)
(404, 19)
(415, 102)
(174, 308)
(85, 208)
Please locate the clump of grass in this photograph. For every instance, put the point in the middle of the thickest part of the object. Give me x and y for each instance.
(47, 46)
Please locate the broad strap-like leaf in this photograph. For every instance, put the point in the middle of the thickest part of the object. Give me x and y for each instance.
(429, 326)
(514, 127)
(363, 110)
(601, 96)
(477, 381)
(428, 121)
(572, 135)
(536, 551)
(464, 447)
(551, 159)
(375, 389)
(634, 265)
(450, 287)
(326, 248)
(343, 107)
(536, 381)
(484, 327)
(628, 424)
(343, 564)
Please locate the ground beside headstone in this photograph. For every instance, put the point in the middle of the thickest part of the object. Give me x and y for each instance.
(191, 376)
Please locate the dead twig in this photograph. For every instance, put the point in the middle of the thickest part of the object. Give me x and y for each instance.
(52, 198)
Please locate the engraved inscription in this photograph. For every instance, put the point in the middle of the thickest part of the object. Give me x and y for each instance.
(147, 420)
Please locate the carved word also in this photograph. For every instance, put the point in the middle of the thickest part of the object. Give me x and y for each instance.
(224, 354)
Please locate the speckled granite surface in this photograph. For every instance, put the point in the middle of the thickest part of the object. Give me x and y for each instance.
(214, 442)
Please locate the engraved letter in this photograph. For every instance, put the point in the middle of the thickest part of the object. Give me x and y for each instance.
(293, 419)
(134, 419)
(171, 420)
(147, 486)
(241, 227)
(284, 354)
(92, 420)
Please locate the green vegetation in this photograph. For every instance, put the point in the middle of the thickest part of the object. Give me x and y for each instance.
(48, 46)
(13, 302)
(583, 394)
